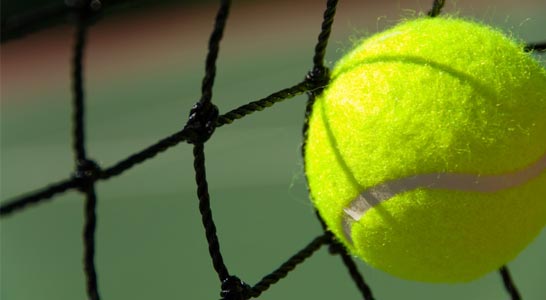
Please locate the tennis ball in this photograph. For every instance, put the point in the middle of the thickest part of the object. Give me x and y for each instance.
(426, 153)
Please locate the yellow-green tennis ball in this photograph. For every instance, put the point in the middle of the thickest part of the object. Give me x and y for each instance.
(426, 153)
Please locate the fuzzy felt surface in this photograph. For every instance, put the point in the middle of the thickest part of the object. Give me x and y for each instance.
(431, 95)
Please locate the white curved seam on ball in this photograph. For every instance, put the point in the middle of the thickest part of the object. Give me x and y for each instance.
(447, 181)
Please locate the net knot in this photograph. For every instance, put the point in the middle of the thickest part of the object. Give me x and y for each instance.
(318, 79)
(334, 247)
(202, 122)
(87, 172)
(234, 288)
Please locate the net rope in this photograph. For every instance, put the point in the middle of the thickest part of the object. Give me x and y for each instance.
(204, 118)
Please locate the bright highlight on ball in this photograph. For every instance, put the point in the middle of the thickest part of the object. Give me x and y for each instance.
(426, 153)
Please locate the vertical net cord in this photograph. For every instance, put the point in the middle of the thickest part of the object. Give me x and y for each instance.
(214, 48)
(324, 36)
(84, 167)
(77, 85)
(436, 9)
(204, 115)
(206, 212)
(320, 76)
(89, 243)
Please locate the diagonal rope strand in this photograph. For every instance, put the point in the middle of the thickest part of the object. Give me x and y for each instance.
(509, 283)
(535, 47)
(289, 265)
(42, 195)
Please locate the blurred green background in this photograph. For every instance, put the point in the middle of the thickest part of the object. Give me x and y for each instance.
(143, 73)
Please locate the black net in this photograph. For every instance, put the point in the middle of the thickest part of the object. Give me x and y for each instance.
(204, 118)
